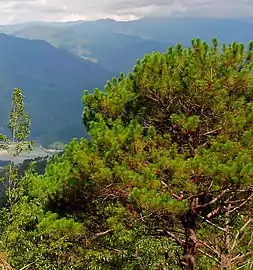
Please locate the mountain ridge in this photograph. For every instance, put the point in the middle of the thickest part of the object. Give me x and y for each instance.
(101, 49)
(53, 80)
(90, 39)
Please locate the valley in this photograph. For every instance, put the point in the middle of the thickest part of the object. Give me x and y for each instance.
(53, 81)
(53, 63)
(35, 153)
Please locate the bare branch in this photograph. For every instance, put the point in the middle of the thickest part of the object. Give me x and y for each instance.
(104, 233)
(240, 231)
(243, 256)
(210, 248)
(207, 254)
(164, 184)
(178, 197)
(241, 205)
(215, 199)
(227, 238)
(214, 212)
(222, 190)
(211, 132)
(206, 239)
(236, 201)
(172, 235)
(251, 238)
(209, 222)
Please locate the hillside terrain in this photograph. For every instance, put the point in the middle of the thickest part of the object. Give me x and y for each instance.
(114, 51)
(53, 81)
(116, 45)
(107, 47)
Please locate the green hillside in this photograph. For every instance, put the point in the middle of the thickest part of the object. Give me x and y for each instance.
(53, 81)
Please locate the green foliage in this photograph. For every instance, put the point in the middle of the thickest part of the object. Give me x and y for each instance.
(165, 180)
(19, 123)
(199, 102)
(19, 126)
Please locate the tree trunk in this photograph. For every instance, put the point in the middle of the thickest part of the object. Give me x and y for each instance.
(226, 256)
(188, 220)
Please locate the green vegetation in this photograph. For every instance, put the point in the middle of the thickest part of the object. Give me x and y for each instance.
(164, 181)
(19, 125)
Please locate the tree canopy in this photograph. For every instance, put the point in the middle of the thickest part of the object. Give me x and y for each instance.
(165, 180)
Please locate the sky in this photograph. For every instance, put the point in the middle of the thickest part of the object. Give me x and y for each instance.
(69, 10)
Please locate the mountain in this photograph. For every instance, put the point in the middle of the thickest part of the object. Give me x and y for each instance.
(53, 78)
(183, 29)
(171, 30)
(53, 81)
(116, 45)
(94, 41)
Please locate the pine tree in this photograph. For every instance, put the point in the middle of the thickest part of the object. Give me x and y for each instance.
(192, 155)
(165, 178)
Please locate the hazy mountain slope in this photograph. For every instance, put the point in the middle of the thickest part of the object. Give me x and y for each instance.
(182, 30)
(116, 45)
(53, 81)
(114, 51)
(177, 29)
(113, 45)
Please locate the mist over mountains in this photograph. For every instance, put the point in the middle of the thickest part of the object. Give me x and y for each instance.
(55, 62)
(53, 81)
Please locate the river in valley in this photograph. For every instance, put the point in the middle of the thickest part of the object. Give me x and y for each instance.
(36, 152)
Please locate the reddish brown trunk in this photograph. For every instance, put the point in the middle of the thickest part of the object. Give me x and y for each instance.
(190, 248)
(226, 256)
(226, 262)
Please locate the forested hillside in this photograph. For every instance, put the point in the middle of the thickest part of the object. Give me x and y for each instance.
(164, 181)
(53, 81)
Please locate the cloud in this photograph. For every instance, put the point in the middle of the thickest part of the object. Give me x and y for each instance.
(62, 10)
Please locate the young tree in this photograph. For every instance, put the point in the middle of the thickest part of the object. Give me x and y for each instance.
(19, 126)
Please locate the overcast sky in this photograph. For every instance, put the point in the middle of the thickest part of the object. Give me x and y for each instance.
(64, 10)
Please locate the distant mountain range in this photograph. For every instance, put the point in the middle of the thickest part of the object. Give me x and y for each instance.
(53, 81)
(116, 45)
(83, 55)
(98, 41)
